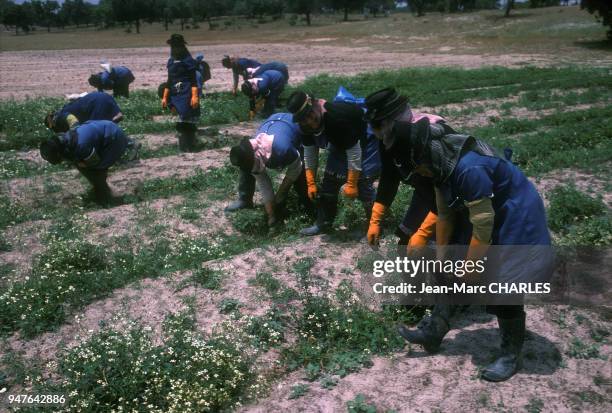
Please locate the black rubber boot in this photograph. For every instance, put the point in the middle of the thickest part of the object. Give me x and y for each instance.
(512, 333)
(188, 142)
(431, 330)
(187, 137)
(326, 212)
(316, 229)
(239, 204)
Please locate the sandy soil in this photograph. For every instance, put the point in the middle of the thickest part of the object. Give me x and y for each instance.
(414, 381)
(407, 381)
(27, 73)
(587, 183)
(67, 185)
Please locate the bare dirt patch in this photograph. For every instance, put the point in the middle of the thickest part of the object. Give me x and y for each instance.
(413, 381)
(65, 186)
(26, 74)
(588, 183)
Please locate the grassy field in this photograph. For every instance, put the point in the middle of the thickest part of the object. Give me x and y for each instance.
(163, 299)
(545, 30)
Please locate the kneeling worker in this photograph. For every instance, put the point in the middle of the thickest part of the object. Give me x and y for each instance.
(276, 145)
(93, 147)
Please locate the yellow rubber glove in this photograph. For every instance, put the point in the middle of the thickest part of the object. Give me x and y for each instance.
(350, 188)
(165, 97)
(378, 211)
(72, 120)
(195, 99)
(312, 185)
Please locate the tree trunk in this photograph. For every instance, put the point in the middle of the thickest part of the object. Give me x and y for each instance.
(48, 28)
(420, 6)
(137, 26)
(166, 23)
(182, 24)
(308, 18)
(509, 5)
(346, 14)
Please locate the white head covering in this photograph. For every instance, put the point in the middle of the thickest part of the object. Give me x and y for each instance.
(75, 96)
(262, 146)
(106, 66)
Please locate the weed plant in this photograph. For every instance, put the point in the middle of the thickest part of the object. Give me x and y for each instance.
(569, 206)
(337, 333)
(121, 369)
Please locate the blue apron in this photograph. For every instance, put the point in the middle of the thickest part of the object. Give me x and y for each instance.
(179, 75)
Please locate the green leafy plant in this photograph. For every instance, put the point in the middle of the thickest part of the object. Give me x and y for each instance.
(359, 405)
(569, 206)
(229, 305)
(298, 391)
(580, 350)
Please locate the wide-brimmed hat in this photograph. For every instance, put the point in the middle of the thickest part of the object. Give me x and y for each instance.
(176, 40)
(300, 104)
(384, 104)
(226, 61)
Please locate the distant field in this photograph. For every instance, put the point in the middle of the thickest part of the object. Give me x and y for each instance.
(550, 30)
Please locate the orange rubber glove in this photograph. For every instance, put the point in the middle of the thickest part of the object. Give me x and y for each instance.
(350, 188)
(378, 211)
(424, 233)
(165, 97)
(195, 99)
(477, 249)
(312, 185)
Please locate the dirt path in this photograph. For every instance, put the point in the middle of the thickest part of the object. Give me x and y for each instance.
(67, 185)
(413, 381)
(28, 73)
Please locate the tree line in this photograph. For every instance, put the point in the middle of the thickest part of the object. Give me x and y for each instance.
(108, 13)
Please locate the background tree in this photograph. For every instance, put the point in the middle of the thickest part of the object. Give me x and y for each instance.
(130, 11)
(346, 6)
(418, 6)
(19, 16)
(45, 13)
(181, 10)
(509, 6)
(378, 6)
(77, 12)
(305, 7)
(603, 11)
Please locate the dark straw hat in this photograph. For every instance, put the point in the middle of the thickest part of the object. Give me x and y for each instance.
(243, 156)
(176, 40)
(384, 104)
(226, 62)
(300, 105)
